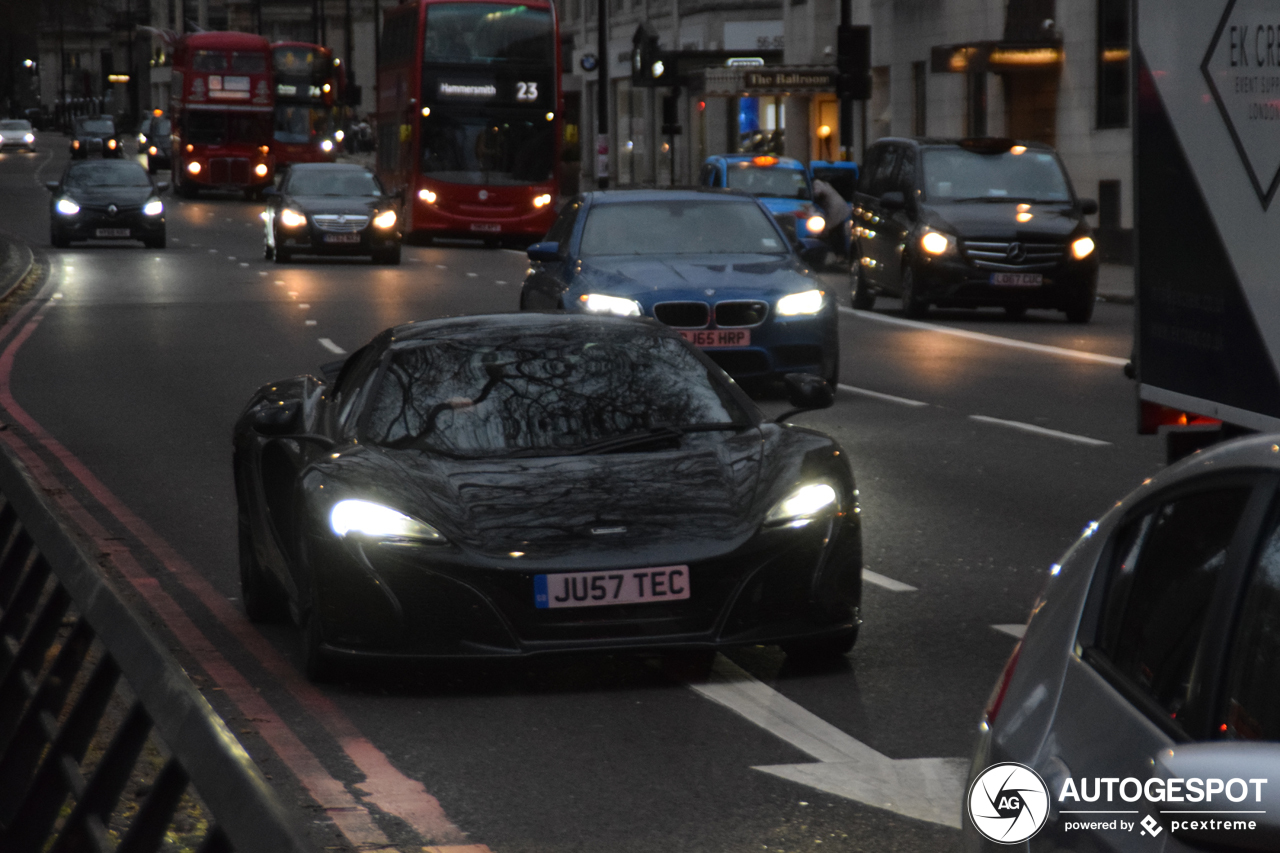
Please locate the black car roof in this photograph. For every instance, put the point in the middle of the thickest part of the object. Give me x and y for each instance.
(470, 323)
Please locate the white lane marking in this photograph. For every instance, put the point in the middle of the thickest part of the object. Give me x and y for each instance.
(304, 305)
(472, 274)
(262, 272)
(886, 582)
(231, 257)
(499, 281)
(441, 267)
(57, 296)
(922, 788)
(332, 347)
(880, 395)
(1039, 430)
(309, 323)
(523, 254)
(991, 339)
(1015, 631)
(245, 264)
(213, 251)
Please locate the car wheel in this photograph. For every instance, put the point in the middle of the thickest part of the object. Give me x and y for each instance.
(822, 650)
(264, 599)
(1079, 308)
(58, 239)
(1015, 312)
(317, 663)
(864, 295)
(390, 257)
(912, 305)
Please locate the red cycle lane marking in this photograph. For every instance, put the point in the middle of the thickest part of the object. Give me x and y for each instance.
(386, 787)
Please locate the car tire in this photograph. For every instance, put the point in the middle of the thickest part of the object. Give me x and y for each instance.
(912, 305)
(863, 294)
(264, 599)
(1079, 308)
(58, 239)
(1015, 312)
(822, 650)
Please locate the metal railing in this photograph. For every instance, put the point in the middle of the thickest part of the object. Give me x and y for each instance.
(105, 744)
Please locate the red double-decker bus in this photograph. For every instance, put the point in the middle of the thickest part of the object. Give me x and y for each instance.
(309, 98)
(469, 116)
(221, 111)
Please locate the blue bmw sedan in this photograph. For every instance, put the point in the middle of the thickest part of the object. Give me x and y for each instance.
(711, 264)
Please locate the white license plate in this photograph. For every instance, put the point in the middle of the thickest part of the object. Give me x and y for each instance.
(1017, 279)
(486, 227)
(594, 589)
(708, 338)
(111, 232)
(342, 238)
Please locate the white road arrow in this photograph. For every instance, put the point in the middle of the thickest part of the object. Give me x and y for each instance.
(923, 788)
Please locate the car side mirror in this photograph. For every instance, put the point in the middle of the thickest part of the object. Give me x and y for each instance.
(52, 186)
(162, 186)
(1088, 206)
(806, 392)
(278, 420)
(893, 200)
(547, 253)
(813, 251)
(1232, 763)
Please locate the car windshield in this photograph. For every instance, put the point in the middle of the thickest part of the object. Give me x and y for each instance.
(955, 174)
(15, 125)
(103, 173)
(767, 181)
(96, 125)
(333, 182)
(680, 228)
(553, 389)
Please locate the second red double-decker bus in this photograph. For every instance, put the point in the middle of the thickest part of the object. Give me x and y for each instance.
(469, 115)
(308, 103)
(221, 112)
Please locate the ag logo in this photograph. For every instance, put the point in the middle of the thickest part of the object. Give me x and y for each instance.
(1008, 803)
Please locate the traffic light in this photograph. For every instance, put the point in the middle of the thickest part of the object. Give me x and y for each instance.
(853, 62)
(647, 65)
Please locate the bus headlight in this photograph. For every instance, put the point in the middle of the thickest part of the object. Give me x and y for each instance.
(794, 304)
(67, 207)
(261, 170)
(292, 218)
(599, 303)
(326, 146)
(338, 136)
(427, 195)
(385, 219)
(1082, 248)
(542, 200)
(193, 167)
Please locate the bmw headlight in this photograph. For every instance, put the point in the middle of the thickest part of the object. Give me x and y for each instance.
(155, 207)
(292, 218)
(807, 302)
(67, 207)
(803, 506)
(379, 522)
(385, 219)
(598, 303)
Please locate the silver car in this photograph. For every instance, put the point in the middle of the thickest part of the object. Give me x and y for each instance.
(1141, 709)
(17, 133)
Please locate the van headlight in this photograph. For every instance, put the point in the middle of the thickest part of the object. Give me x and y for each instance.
(794, 304)
(379, 522)
(67, 207)
(599, 303)
(803, 506)
(155, 207)
(1082, 248)
(936, 243)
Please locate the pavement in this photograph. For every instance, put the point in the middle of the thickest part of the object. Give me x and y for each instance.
(1115, 283)
(15, 262)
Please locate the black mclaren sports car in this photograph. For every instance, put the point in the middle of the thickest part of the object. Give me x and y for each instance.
(509, 485)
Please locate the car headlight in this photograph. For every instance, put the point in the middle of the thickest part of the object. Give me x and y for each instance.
(152, 151)
(326, 146)
(75, 143)
(155, 207)
(29, 138)
(1082, 248)
(598, 303)
(816, 224)
(385, 219)
(936, 243)
(67, 207)
(808, 302)
(292, 218)
(142, 139)
(542, 200)
(803, 506)
(379, 522)
(111, 143)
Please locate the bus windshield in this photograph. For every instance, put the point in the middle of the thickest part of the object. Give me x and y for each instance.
(494, 149)
(487, 33)
(299, 123)
(210, 127)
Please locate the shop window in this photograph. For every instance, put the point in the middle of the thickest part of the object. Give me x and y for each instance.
(1109, 205)
(919, 98)
(1113, 63)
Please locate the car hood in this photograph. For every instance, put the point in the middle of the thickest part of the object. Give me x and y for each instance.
(647, 278)
(110, 195)
(612, 509)
(361, 205)
(785, 205)
(999, 220)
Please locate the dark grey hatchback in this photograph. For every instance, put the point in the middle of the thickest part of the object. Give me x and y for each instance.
(972, 223)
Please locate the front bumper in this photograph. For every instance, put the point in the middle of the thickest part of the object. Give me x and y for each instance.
(957, 282)
(377, 600)
(87, 224)
(487, 223)
(310, 240)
